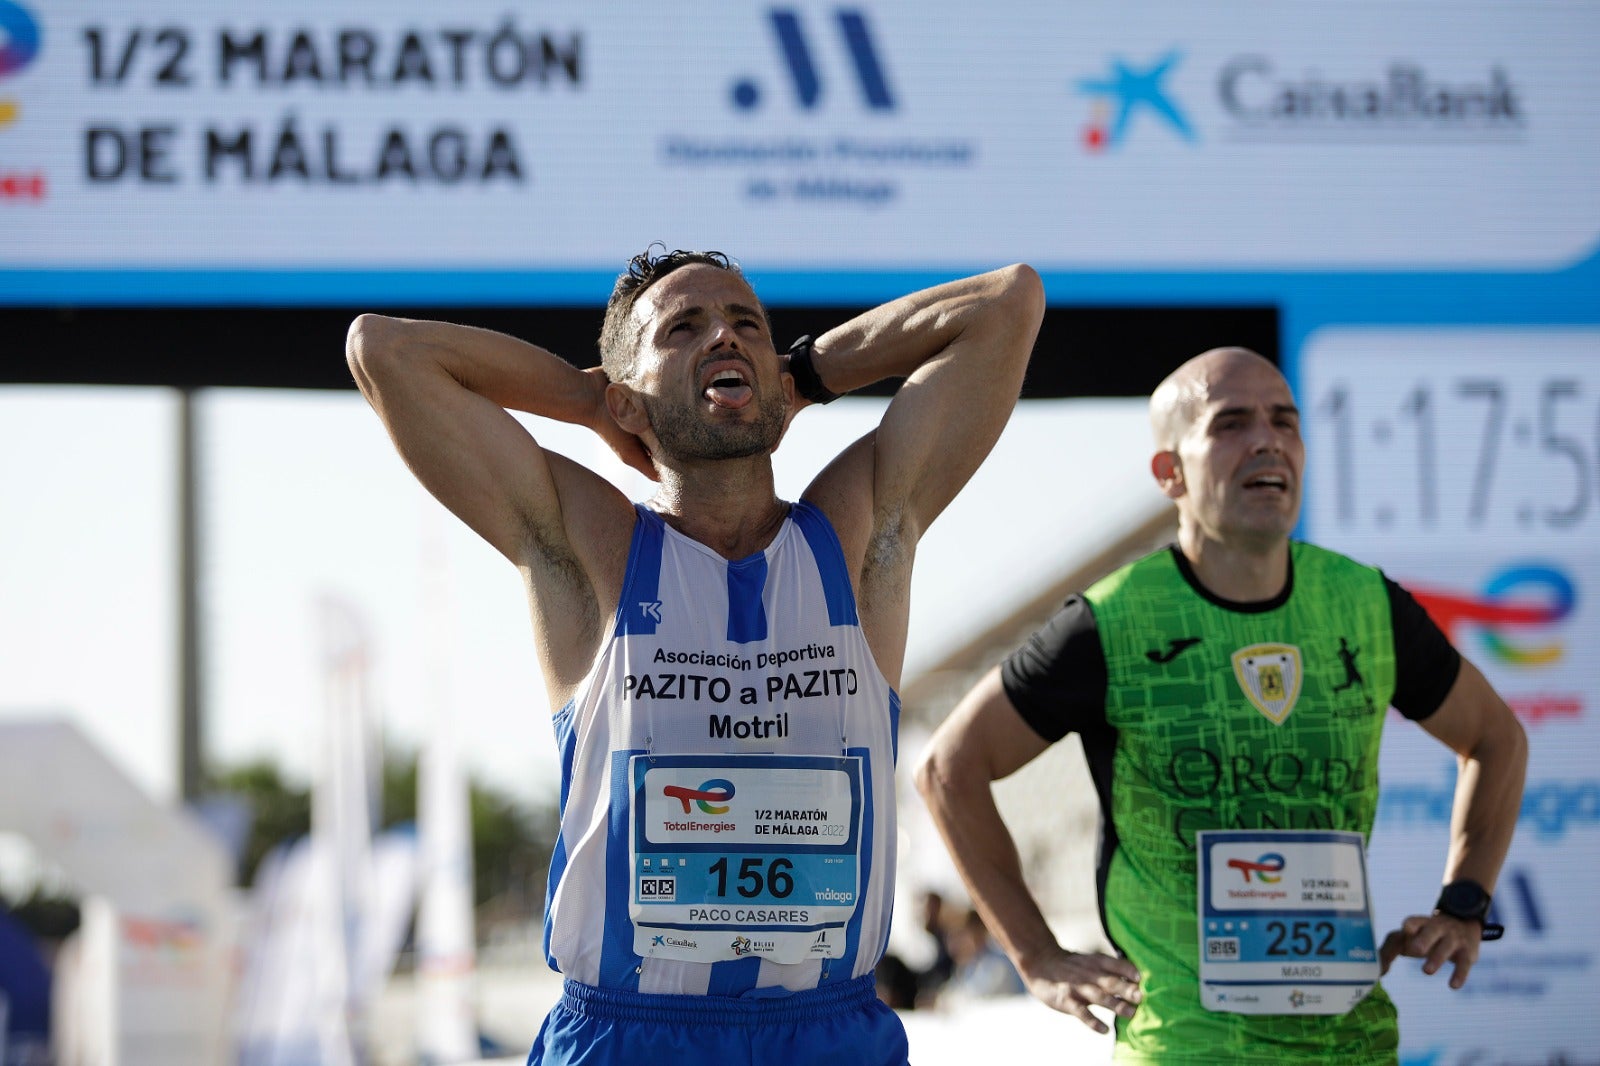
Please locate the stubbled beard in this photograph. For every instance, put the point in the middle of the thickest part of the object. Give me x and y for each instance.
(681, 433)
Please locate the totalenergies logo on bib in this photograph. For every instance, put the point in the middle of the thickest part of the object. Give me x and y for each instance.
(712, 795)
(1267, 869)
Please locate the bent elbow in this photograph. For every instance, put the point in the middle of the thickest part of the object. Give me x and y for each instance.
(923, 774)
(1502, 745)
(1025, 289)
(932, 776)
(372, 344)
(1019, 305)
(366, 337)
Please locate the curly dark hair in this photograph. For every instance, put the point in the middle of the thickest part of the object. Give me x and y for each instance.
(618, 345)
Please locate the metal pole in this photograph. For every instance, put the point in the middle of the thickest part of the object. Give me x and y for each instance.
(190, 744)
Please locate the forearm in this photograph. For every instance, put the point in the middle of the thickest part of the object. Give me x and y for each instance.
(1488, 799)
(962, 806)
(1000, 310)
(509, 372)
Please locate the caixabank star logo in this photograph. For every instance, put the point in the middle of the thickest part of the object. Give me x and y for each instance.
(19, 47)
(1131, 94)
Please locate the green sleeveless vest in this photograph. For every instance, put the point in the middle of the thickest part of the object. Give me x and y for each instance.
(1230, 718)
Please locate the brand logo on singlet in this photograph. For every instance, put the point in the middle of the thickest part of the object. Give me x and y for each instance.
(651, 609)
(1269, 675)
(1174, 647)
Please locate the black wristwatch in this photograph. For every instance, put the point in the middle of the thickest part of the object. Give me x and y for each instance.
(1468, 901)
(806, 380)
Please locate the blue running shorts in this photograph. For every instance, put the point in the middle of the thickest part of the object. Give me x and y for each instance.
(818, 1027)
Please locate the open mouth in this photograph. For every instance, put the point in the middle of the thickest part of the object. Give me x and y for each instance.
(1268, 482)
(729, 386)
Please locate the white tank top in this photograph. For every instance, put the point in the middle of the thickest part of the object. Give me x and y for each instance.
(727, 776)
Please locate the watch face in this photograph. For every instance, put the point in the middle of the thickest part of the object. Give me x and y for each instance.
(1463, 899)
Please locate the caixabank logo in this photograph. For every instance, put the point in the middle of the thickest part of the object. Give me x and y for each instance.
(1128, 93)
(1353, 100)
(19, 47)
(810, 112)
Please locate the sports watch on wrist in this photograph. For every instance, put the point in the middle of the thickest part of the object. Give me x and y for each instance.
(1468, 901)
(806, 380)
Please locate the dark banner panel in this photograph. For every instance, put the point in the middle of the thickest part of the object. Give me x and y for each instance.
(1082, 351)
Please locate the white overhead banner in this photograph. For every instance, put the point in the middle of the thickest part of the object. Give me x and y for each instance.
(880, 136)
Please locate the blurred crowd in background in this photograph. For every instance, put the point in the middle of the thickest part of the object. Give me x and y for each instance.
(967, 963)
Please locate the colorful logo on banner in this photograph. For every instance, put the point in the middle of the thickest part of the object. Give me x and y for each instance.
(1131, 90)
(19, 45)
(1525, 596)
(171, 937)
(795, 46)
(712, 796)
(20, 38)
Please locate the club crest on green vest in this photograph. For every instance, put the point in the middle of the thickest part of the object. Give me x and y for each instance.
(1269, 675)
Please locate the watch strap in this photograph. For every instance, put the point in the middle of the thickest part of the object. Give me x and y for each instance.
(1469, 901)
(806, 380)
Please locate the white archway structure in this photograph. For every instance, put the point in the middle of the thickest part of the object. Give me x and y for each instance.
(148, 979)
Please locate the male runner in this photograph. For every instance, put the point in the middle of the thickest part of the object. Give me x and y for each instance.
(721, 663)
(1215, 686)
